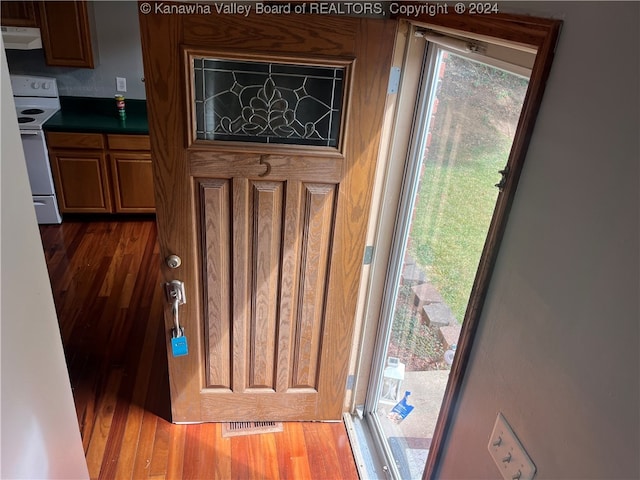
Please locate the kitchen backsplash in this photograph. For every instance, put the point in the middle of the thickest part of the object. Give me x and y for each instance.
(115, 35)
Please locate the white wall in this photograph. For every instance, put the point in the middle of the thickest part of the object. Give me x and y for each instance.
(557, 347)
(40, 435)
(115, 34)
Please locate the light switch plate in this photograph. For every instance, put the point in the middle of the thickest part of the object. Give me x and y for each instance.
(508, 453)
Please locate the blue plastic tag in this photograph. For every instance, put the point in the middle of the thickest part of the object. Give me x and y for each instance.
(179, 346)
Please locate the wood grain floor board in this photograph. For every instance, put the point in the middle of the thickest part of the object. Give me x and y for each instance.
(175, 454)
(106, 285)
(191, 452)
(145, 446)
(131, 436)
(212, 449)
(115, 440)
(102, 431)
(160, 453)
(292, 459)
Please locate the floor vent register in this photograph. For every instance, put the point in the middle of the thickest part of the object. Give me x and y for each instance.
(235, 429)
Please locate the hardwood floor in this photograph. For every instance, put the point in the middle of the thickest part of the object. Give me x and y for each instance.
(106, 287)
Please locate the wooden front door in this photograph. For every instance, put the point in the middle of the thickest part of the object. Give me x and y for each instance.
(265, 204)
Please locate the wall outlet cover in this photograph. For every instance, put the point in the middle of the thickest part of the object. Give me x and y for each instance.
(121, 84)
(508, 453)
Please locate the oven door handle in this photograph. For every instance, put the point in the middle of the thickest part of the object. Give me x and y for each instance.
(29, 132)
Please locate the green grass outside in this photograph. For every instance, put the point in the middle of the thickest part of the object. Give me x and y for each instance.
(453, 211)
(471, 134)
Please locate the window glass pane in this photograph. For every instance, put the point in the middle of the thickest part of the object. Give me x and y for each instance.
(268, 102)
(474, 115)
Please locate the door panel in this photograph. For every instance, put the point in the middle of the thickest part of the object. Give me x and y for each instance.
(217, 242)
(316, 237)
(284, 264)
(265, 216)
(271, 236)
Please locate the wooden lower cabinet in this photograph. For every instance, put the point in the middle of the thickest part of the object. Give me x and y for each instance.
(96, 173)
(131, 173)
(81, 181)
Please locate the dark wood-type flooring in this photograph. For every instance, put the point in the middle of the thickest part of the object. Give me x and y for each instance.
(106, 286)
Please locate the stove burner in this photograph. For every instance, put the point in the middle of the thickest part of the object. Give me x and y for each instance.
(26, 119)
(32, 111)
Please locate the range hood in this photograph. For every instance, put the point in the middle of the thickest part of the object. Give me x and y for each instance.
(21, 38)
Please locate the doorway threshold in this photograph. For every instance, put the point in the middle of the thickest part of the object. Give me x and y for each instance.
(368, 462)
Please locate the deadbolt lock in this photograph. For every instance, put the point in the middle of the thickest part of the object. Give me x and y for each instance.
(173, 261)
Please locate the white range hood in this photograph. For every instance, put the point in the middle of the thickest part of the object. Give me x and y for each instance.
(21, 38)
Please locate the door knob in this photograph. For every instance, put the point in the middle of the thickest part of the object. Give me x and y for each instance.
(174, 290)
(173, 261)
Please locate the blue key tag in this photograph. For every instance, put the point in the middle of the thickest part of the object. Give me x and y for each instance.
(179, 346)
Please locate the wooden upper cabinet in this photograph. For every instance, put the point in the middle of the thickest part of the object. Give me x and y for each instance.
(18, 14)
(66, 36)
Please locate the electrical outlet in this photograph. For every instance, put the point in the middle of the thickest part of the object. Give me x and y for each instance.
(508, 453)
(121, 84)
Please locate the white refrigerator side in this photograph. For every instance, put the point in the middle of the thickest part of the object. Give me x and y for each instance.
(40, 435)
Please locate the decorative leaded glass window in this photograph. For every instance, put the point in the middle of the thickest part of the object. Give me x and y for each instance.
(268, 102)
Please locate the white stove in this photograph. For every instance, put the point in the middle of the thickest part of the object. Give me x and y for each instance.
(33, 118)
(36, 100)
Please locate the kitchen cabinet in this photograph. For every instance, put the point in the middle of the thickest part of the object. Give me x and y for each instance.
(131, 173)
(102, 173)
(79, 168)
(66, 37)
(18, 14)
(64, 27)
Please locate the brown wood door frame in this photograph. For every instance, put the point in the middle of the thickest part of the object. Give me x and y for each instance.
(541, 34)
(176, 155)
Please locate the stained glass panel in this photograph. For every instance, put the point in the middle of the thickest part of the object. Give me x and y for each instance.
(268, 102)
